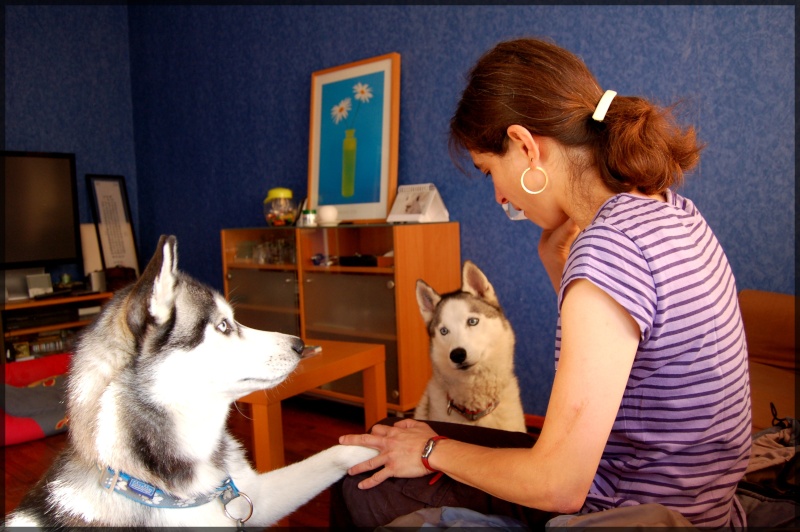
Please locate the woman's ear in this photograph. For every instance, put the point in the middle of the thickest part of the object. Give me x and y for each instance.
(522, 139)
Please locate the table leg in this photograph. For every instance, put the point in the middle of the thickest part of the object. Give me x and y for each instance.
(267, 437)
(374, 394)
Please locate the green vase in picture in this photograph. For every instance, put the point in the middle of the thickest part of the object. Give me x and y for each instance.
(349, 163)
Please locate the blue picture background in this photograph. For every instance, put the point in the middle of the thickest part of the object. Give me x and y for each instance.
(367, 119)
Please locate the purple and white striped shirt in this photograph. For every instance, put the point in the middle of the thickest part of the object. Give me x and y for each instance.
(681, 437)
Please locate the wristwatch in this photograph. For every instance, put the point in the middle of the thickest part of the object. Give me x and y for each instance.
(426, 452)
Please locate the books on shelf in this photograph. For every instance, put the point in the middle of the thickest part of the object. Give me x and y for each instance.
(42, 344)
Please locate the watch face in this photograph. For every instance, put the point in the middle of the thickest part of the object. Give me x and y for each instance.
(428, 448)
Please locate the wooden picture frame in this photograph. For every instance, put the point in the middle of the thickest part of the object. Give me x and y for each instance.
(112, 216)
(354, 138)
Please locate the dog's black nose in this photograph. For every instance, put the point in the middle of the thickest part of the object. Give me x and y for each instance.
(458, 355)
(298, 345)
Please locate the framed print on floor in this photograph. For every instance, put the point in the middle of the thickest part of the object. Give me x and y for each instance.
(112, 214)
(354, 138)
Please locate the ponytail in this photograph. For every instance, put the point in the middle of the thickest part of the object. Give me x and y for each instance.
(640, 145)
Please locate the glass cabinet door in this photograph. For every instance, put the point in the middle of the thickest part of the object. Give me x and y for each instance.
(265, 300)
(344, 303)
(357, 308)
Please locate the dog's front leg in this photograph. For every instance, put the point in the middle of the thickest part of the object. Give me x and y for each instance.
(423, 410)
(279, 493)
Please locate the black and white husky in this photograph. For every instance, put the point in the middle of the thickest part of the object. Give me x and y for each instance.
(472, 355)
(150, 387)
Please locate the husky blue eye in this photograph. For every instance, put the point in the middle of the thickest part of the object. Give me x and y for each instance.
(472, 322)
(443, 331)
(224, 327)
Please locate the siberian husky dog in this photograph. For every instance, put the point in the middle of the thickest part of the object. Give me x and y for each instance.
(472, 355)
(150, 387)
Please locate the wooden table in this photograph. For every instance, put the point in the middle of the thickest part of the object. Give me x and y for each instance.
(337, 360)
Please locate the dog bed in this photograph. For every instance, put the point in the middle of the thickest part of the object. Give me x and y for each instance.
(34, 398)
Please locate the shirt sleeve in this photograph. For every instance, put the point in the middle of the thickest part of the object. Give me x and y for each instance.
(613, 262)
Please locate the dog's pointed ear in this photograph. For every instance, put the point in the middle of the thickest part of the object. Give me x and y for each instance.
(162, 297)
(427, 299)
(153, 296)
(475, 282)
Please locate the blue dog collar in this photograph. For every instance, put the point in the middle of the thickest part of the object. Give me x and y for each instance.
(140, 491)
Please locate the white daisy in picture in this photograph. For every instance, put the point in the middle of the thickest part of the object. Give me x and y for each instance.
(340, 110)
(362, 92)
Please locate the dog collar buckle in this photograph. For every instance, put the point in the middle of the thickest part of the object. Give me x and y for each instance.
(229, 494)
(240, 521)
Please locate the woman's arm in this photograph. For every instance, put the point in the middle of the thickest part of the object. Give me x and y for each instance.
(599, 341)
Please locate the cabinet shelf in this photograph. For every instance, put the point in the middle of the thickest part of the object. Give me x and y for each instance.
(266, 308)
(34, 317)
(47, 328)
(374, 270)
(263, 267)
(55, 301)
(370, 304)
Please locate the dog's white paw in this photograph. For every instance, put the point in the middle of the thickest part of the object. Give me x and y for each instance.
(346, 456)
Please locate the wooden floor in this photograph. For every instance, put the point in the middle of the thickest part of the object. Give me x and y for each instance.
(309, 426)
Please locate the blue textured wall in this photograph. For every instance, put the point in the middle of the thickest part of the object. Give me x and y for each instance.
(68, 89)
(221, 108)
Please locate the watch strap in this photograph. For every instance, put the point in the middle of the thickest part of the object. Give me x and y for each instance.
(426, 452)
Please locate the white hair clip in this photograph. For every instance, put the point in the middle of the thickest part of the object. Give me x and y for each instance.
(602, 107)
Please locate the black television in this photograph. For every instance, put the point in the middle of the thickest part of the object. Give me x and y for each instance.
(41, 215)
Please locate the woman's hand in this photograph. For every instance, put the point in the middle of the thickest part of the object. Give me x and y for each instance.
(554, 247)
(400, 448)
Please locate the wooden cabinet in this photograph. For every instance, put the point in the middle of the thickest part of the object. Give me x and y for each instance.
(353, 283)
(30, 324)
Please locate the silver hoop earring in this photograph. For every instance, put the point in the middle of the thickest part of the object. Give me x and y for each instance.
(534, 192)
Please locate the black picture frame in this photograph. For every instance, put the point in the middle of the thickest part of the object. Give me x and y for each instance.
(113, 222)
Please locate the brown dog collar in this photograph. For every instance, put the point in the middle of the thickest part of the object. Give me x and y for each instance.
(472, 415)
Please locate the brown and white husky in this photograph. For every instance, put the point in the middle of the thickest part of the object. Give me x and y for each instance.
(472, 355)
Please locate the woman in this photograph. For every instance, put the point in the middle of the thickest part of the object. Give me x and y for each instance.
(650, 402)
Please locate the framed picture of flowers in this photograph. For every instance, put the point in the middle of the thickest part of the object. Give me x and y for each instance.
(354, 138)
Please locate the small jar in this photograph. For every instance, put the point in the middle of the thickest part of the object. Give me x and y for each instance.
(309, 218)
(279, 208)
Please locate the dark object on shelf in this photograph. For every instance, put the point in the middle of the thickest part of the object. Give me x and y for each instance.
(119, 277)
(324, 260)
(54, 294)
(25, 319)
(65, 292)
(359, 260)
